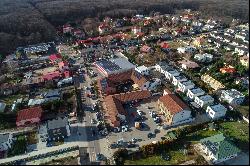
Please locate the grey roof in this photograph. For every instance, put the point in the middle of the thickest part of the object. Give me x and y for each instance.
(57, 123)
(4, 137)
(2, 106)
(123, 63)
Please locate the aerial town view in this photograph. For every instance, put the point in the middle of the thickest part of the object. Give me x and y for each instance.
(124, 82)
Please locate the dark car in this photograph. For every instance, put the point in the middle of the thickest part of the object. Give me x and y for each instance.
(157, 131)
(113, 146)
(131, 145)
(100, 157)
(150, 135)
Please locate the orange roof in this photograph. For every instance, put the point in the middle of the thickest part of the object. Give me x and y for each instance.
(133, 75)
(114, 103)
(227, 70)
(173, 103)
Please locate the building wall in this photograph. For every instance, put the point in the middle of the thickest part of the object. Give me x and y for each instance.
(181, 116)
(165, 112)
(215, 115)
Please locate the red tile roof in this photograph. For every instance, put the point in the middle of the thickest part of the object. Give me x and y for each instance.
(29, 113)
(227, 70)
(113, 104)
(52, 75)
(145, 48)
(124, 76)
(54, 57)
(173, 103)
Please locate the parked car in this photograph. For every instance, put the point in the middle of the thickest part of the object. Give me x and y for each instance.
(100, 157)
(139, 112)
(150, 135)
(157, 131)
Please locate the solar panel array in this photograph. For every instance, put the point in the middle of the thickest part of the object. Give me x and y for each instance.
(107, 65)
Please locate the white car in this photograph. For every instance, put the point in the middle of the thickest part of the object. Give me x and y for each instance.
(124, 128)
(139, 112)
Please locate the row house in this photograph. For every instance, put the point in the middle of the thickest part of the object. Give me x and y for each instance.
(216, 111)
(185, 86)
(204, 100)
(213, 83)
(192, 93)
(177, 79)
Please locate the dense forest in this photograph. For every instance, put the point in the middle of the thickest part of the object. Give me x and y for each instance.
(25, 22)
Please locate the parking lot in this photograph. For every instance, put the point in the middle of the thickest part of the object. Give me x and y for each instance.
(140, 134)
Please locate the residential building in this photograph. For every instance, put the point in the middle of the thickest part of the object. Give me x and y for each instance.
(103, 28)
(232, 96)
(113, 105)
(227, 69)
(55, 58)
(143, 70)
(6, 140)
(178, 79)
(204, 57)
(174, 109)
(2, 106)
(161, 67)
(213, 83)
(187, 64)
(244, 60)
(216, 111)
(63, 66)
(136, 30)
(218, 148)
(58, 129)
(185, 85)
(67, 28)
(29, 116)
(192, 93)
(146, 49)
(241, 50)
(203, 101)
(56, 75)
(169, 73)
(167, 92)
(199, 41)
(113, 66)
(188, 49)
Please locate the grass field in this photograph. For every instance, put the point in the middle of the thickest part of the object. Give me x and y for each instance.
(176, 158)
(196, 136)
(239, 131)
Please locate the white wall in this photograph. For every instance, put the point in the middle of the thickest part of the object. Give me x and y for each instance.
(181, 116)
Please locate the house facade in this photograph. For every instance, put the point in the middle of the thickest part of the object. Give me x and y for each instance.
(232, 97)
(192, 93)
(174, 109)
(178, 79)
(6, 141)
(216, 111)
(185, 85)
(203, 101)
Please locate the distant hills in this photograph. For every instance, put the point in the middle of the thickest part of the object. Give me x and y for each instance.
(25, 22)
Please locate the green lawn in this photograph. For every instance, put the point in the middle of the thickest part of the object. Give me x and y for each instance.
(10, 99)
(197, 136)
(237, 130)
(176, 158)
